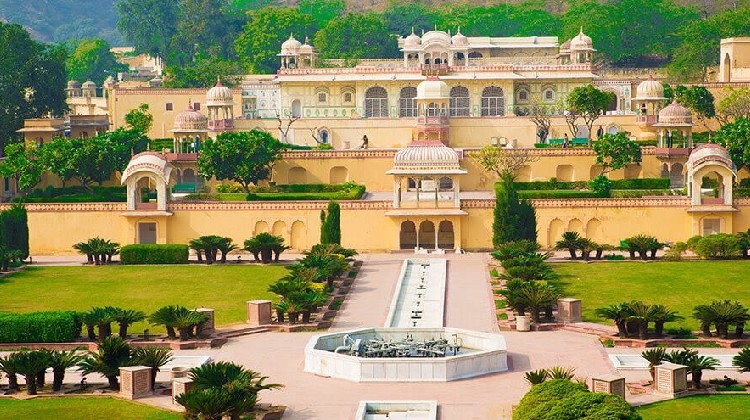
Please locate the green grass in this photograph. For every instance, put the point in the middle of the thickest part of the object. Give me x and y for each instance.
(679, 285)
(76, 408)
(500, 304)
(224, 288)
(700, 407)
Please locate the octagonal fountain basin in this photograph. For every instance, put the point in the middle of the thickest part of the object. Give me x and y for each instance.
(406, 354)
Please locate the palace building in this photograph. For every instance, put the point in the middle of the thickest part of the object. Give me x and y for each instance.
(405, 128)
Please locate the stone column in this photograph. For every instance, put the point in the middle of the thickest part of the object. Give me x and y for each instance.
(180, 386)
(135, 382)
(258, 312)
(397, 192)
(608, 384)
(670, 378)
(456, 190)
(208, 327)
(437, 228)
(436, 181)
(569, 310)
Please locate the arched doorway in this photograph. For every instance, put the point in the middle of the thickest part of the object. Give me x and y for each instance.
(297, 175)
(408, 235)
(727, 68)
(446, 237)
(260, 227)
(279, 229)
(676, 179)
(555, 231)
(426, 234)
(298, 238)
(338, 175)
(296, 108)
(575, 225)
(565, 173)
(594, 230)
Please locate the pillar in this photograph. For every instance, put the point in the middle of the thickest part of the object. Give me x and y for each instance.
(208, 327)
(135, 382)
(180, 386)
(670, 378)
(397, 192)
(437, 228)
(258, 312)
(456, 190)
(608, 384)
(569, 310)
(436, 182)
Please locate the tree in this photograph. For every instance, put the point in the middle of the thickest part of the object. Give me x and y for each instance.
(203, 29)
(503, 162)
(266, 29)
(742, 360)
(32, 82)
(697, 98)
(615, 151)
(572, 241)
(285, 125)
(734, 105)
(21, 163)
(14, 232)
(503, 222)
(243, 157)
(590, 103)
(94, 160)
(654, 357)
(149, 25)
(735, 137)
(112, 354)
(153, 357)
(540, 113)
(322, 11)
(356, 36)
(30, 363)
(139, 119)
(57, 156)
(59, 361)
(403, 16)
(127, 317)
(203, 72)
(92, 59)
(330, 231)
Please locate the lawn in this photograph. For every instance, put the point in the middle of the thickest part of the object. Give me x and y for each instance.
(679, 285)
(225, 288)
(77, 408)
(699, 407)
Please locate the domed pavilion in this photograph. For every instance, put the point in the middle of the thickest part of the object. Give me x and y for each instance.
(190, 130)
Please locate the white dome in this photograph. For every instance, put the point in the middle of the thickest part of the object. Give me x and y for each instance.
(436, 37)
(675, 115)
(190, 119)
(290, 46)
(650, 89)
(426, 157)
(459, 39)
(706, 153)
(412, 40)
(306, 49)
(433, 88)
(581, 42)
(219, 95)
(72, 84)
(88, 84)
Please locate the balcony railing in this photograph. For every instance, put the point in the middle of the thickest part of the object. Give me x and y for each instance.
(220, 124)
(432, 120)
(647, 119)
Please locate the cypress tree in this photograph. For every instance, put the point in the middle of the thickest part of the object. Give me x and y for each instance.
(514, 219)
(333, 223)
(526, 221)
(14, 229)
(324, 236)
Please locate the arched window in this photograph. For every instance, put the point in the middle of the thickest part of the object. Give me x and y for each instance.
(459, 101)
(432, 109)
(493, 102)
(376, 102)
(446, 183)
(407, 102)
(523, 95)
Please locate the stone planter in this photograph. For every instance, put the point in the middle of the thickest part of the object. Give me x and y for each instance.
(523, 323)
(179, 372)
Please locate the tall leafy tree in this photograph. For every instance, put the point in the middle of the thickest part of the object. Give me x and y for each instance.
(57, 156)
(266, 29)
(356, 36)
(203, 73)
(91, 59)
(243, 157)
(149, 25)
(139, 119)
(733, 105)
(95, 160)
(401, 16)
(615, 151)
(735, 136)
(32, 80)
(21, 163)
(330, 230)
(203, 28)
(322, 11)
(589, 103)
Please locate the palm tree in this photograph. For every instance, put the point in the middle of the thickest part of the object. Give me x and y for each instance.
(617, 313)
(536, 377)
(743, 242)
(242, 384)
(225, 246)
(112, 354)
(697, 364)
(538, 297)
(706, 316)
(513, 298)
(560, 372)
(741, 360)
(198, 246)
(104, 317)
(640, 315)
(186, 321)
(680, 357)
(29, 364)
(570, 241)
(167, 316)
(661, 314)
(127, 317)
(310, 302)
(85, 249)
(654, 356)
(263, 244)
(8, 365)
(59, 360)
(206, 404)
(90, 319)
(153, 357)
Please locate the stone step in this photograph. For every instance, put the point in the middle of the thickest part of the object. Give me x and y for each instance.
(241, 332)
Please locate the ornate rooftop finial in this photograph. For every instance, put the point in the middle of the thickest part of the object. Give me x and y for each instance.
(412, 30)
(436, 26)
(581, 32)
(307, 40)
(218, 81)
(459, 30)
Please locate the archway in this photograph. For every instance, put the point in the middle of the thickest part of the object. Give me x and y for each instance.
(376, 102)
(727, 68)
(298, 238)
(279, 229)
(297, 175)
(296, 108)
(594, 172)
(594, 230)
(575, 225)
(446, 237)
(524, 174)
(150, 170)
(408, 235)
(146, 232)
(664, 171)
(426, 234)
(632, 171)
(555, 231)
(565, 173)
(338, 175)
(188, 176)
(676, 178)
(260, 227)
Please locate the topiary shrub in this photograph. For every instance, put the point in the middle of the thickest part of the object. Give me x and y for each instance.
(716, 246)
(154, 254)
(40, 327)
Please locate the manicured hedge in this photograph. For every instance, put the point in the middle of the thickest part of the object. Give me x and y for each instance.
(532, 194)
(641, 184)
(154, 254)
(642, 193)
(40, 327)
(552, 184)
(741, 192)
